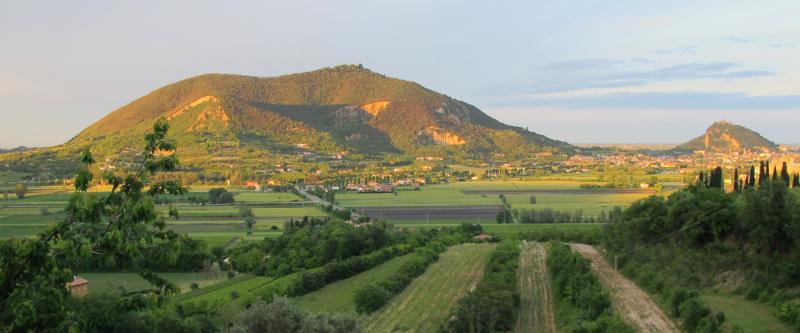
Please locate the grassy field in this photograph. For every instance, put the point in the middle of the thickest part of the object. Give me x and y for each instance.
(217, 224)
(751, 317)
(261, 197)
(536, 299)
(133, 282)
(337, 297)
(247, 288)
(427, 302)
(556, 195)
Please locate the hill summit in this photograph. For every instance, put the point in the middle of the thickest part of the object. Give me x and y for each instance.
(346, 108)
(724, 136)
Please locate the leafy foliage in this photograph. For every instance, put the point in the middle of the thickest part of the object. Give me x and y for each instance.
(121, 228)
(701, 234)
(492, 306)
(584, 305)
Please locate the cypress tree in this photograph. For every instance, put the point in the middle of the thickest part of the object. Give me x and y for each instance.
(751, 179)
(702, 177)
(775, 174)
(761, 173)
(796, 182)
(736, 180)
(715, 179)
(785, 174)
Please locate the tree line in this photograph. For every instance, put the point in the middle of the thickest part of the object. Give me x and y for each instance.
(702, 232)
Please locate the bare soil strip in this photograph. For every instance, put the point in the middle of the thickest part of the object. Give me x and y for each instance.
(536, 302)
(632, 303)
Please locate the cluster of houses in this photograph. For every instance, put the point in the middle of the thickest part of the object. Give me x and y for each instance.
(370, 187)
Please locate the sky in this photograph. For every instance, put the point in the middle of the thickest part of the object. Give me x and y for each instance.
(580, 71)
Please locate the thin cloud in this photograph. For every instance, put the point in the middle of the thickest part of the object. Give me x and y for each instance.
(685, 100)
(737, 39)
(565, 76)
(682, 49)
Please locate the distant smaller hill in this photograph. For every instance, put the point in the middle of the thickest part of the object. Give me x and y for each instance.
(14, 150)
(725, 136)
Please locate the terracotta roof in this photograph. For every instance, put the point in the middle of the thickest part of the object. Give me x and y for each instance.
(78, 281)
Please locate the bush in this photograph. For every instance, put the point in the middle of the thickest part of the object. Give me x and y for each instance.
(194, 286)
(44, 211)
(532, 199)
(220, 196)
(281, 315)
(370, 298)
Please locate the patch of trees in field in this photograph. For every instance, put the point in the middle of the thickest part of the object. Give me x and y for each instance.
(582, 305)
(702, 233)
(492, 305)
(312, 242)
(549, 215)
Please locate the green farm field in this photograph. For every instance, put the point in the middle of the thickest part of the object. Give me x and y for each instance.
(337, 297)
(262, 197)
(749, 316)
(217, 224)
(557, 195)
(427, 302)
(133, 282)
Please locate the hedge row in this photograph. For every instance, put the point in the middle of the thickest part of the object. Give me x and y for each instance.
(581, 303)
(492, 306)
(373, 296)
(317, 278)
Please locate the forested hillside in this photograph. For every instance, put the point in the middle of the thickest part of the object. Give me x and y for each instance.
(745, 243)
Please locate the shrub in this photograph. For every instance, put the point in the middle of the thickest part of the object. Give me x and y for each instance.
(220, 196)
(370, 298)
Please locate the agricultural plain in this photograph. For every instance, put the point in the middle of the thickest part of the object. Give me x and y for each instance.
(427, 302)
(478, 201)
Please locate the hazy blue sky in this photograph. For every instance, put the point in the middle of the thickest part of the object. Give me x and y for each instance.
(580, 71)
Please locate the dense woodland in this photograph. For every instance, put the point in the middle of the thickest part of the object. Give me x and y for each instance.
(747, 241)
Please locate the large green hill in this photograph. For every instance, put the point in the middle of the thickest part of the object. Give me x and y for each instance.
(341, 109)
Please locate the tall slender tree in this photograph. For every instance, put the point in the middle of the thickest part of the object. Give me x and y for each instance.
(751, 178)
(736, 180)
(775, 174)
(762, 173)
(785, 174)
(716, 180)
(796, 181)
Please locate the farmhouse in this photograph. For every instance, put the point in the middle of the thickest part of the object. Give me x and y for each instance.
(255, 186)
(78, 286)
